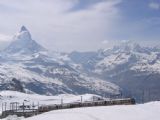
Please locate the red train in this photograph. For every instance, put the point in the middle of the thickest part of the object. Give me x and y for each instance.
(126, 101)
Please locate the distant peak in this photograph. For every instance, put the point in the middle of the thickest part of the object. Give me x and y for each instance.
(23, 28)
(23, 43)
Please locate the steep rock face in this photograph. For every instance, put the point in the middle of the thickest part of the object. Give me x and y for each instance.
(23, 43)
(39, 71)
(16, 85)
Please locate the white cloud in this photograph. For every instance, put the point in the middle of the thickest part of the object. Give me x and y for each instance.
(154, 5)
(5, 38)
(105, 42)
(55, 25)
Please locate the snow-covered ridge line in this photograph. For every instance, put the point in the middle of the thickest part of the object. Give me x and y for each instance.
(26, 66)
(132, 67)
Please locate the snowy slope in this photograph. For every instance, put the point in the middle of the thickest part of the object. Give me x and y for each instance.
(38, 70)
(28, 99)
(133, 67)
(22, 43)
(149, 111)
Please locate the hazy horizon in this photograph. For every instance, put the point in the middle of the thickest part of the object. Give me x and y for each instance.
(81, 25)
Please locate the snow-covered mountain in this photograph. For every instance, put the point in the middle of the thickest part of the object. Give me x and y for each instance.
(23, 43)
(128, 68)
(134, 68)
(26, 66)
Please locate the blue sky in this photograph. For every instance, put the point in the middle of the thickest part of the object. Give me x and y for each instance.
(67, 25)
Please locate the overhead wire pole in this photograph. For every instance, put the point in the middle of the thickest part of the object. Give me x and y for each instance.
(142, 96)
(16, 106)
(2, 107)
(146, 78)
(81, 99)
(61, 101)
(149, 94)
(38, 108)
(33, 107)
(23, 108)
(5, 106)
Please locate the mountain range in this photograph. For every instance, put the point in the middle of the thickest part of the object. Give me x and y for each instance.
(126, 69)
(135, 69)
(27, 66)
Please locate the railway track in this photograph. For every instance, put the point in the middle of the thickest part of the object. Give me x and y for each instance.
(127, 101)
(47, 108)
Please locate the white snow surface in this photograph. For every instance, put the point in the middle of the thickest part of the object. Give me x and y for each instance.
(149, 111)
(29, 99)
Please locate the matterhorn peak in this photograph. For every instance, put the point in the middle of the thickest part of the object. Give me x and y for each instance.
(23, 43)
(24, 34)
(23, 28)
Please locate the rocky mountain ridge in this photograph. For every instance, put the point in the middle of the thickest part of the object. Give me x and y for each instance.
(39, 71)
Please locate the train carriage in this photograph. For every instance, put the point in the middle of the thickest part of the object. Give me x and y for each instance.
(126, 101)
